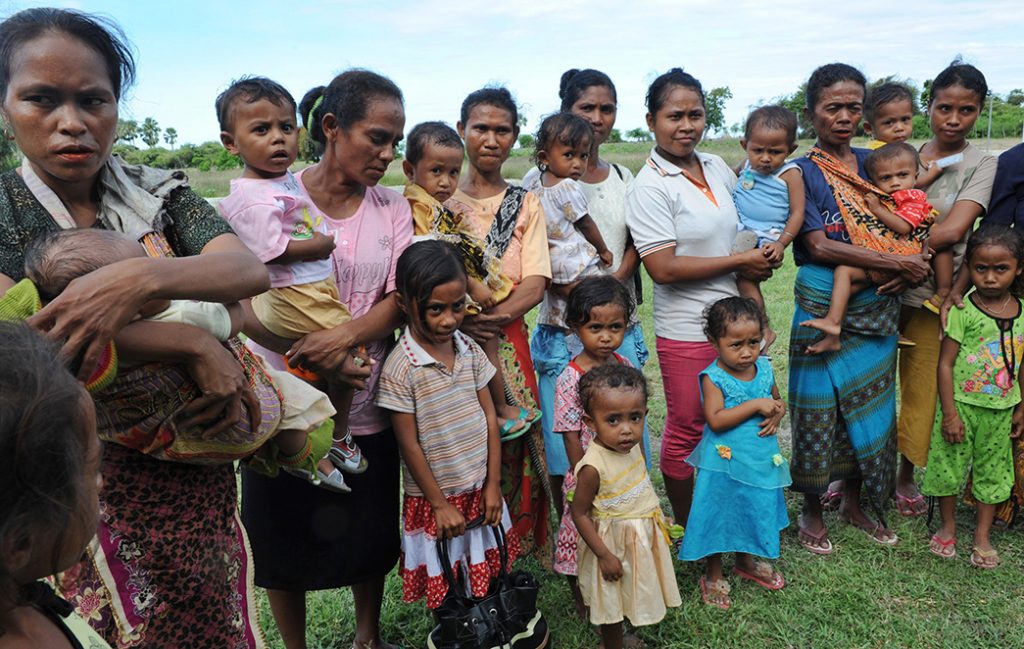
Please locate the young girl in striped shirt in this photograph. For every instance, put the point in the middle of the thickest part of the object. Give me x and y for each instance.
(434, 383)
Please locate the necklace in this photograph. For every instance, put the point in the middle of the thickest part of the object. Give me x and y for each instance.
(992, 310)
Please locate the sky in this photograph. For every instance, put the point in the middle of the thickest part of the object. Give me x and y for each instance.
(438, 51)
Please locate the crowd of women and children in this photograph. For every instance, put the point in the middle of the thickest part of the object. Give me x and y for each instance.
(126, 278)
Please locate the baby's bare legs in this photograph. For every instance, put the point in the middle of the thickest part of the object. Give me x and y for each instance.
(505, 411)
(752, 289)
(942, 265)
(846, 281)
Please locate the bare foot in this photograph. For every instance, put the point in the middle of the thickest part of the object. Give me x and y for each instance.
(821, 324)
(830, 343)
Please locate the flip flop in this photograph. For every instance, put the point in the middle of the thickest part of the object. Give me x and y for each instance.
(718, 589)
(811, 541)
(777, 580)
(909, 506)
(984, 559)
(831, 500)
(871, 530)
(944, 549)
(528, 418)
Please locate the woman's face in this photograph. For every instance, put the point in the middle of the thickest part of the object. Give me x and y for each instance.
(952, 113)
(364, 150)
(837, 112)
(597, 105)
(679, 123)
(61, 108)
(489, 133)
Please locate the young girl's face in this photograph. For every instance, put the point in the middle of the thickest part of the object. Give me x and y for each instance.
(602, 334)
(893, 122)
(565, 160)
(740, 346)
(617, 417)
(993, 270)
(489, 134)
(679, 123)
(767, 148)
(442, 315)
(264, 135)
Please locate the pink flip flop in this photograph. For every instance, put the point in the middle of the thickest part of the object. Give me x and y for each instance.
(811, 541)
(777, 580)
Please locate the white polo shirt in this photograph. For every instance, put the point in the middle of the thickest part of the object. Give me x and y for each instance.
(666, 208)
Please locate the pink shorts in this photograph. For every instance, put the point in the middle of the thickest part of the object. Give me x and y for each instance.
(681, 365)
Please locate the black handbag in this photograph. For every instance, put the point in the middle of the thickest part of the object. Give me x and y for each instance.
(505, 618)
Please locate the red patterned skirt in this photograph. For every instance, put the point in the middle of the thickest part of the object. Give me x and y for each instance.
(474, 554)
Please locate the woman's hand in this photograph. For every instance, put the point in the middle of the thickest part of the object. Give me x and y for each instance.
(450, 521)
(224, 387)
(952, 428)
(492, 503)
(330, 354)
(484, 326)
(755, 265)
(611, 567)
(93, 309)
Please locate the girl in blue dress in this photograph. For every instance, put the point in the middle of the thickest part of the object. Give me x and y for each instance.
(738, 505)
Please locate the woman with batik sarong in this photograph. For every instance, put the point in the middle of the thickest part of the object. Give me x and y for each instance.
(843, 403)
(169, 566)
(510, 221)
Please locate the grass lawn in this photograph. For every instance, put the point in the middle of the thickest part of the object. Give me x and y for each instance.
(864, 595)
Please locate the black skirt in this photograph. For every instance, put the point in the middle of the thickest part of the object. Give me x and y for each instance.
(307, 538)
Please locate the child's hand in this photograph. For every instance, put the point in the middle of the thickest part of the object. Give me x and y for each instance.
(481, 294)
(770, 425)
(952, 428)
(492, 503)
(1017, 427)
(606, 257)
(871, 200)
(450, 521)
(611, 567)
(766, 406)
(773, 251)
(322, 246)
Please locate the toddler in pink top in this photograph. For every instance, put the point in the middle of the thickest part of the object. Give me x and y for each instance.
(270, 213)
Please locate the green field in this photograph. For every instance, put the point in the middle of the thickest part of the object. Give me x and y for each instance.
(864, 596)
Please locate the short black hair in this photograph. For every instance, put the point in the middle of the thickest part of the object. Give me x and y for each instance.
(250, 90)
(997, 234)
(609, 377)
(891, 151)
(101, 34)
(568, 128)
(426, 133)
(574, 82)
(593, 292)
(421, 268)
(497, 96)
(963, 74)
(774, 118)
(886, 93)
(347, 97)
(42, 443)
(658, 91)
(53, 259)
(726, 311)
(831, 74)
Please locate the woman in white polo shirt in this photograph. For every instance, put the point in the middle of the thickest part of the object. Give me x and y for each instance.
(680, 213)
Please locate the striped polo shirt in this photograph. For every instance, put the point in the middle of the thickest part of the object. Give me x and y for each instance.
(451, 425)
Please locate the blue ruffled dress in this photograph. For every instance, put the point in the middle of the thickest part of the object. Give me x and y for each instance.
(738, 504)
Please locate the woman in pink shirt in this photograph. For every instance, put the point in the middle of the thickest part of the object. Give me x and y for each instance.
(304, 538)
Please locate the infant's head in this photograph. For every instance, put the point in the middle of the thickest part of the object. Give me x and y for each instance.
(893, 167)
(53, 260)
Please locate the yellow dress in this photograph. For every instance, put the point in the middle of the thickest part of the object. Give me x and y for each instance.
(628, 517)
(433, 220)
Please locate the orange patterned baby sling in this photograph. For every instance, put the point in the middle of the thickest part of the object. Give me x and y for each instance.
(864, 228)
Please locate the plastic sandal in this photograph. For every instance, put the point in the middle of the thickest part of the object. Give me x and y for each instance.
(831, 500)
(811, 541)
(984, 559)
(871, 530)
(347, 457)
(907, 506)
(775, 582)
(942, 548)
(710, 591)
(527, 417)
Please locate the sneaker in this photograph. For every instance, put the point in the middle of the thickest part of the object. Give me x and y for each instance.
(345, 455)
